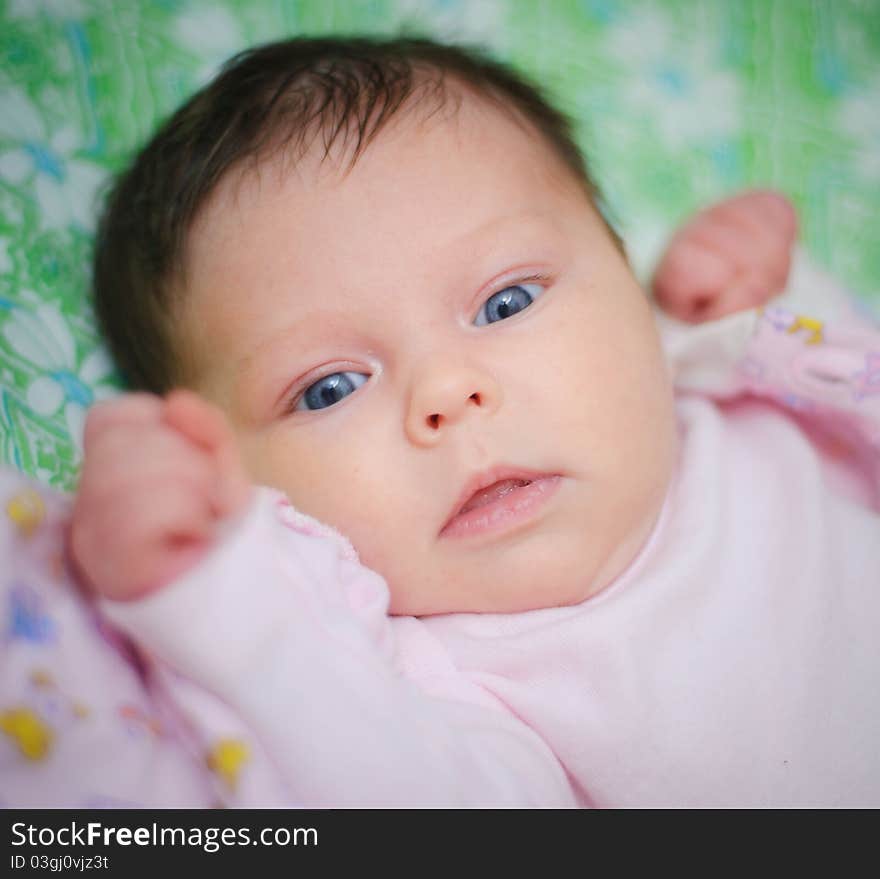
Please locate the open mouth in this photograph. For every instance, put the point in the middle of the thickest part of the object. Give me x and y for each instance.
(492, 493)
(501, 504)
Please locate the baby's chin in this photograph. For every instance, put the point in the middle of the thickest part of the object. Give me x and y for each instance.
(546, 579)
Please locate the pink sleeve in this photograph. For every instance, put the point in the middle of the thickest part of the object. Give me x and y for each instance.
(824, 370)
(81, 725)
(813, 351)
(285, 627)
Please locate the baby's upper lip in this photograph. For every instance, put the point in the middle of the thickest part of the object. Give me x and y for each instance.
(485, 478)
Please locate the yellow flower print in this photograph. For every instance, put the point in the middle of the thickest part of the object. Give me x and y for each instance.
(226, 759)
(28, 731)
(27, 511)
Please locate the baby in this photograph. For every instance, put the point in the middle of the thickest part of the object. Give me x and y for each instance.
(508, 547)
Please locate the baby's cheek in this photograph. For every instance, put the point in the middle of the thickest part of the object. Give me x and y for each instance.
(270, 459)
(629, 413)
(364, 505)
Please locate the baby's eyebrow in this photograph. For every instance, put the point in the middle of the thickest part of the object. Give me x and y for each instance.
(524, 225)
(309, 329)
(265, 349)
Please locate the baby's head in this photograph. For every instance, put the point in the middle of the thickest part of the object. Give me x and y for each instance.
(385, 263)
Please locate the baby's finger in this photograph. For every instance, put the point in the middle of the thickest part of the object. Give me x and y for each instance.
(745, 292)
(757, 228)
(205, 425)
(726, 236)
(138, 408)
(689, 280)
(130, 455)
(124, 551)
(199, 421)
(768, 210)
(179, 515)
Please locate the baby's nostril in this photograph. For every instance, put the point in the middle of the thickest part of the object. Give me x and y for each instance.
(434, 420)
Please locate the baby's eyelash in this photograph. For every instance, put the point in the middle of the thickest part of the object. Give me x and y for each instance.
(291, 401)
(529, 279)
(540, 278)
(291, 398)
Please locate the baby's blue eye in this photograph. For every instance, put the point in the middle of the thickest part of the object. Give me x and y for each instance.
(329, 390)
(508, 302)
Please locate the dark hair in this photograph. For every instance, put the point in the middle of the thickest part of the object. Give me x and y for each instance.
(279, 95)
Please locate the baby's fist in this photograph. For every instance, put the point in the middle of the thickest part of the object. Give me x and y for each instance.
(733, 256)
(158, 477)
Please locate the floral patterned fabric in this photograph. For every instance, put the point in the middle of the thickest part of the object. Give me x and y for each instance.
(677, 103)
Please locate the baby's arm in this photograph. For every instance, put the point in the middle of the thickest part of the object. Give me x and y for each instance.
(808, 349)
(290, 631)
(256, 636)
(812, 352)
(81, 723)
(85, 719)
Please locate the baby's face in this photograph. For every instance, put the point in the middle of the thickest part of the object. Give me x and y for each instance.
(450, 313)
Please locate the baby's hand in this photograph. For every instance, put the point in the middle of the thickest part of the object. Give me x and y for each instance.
(730, 257)
(158, 477)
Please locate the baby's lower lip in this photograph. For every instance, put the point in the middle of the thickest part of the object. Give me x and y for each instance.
(514, 508)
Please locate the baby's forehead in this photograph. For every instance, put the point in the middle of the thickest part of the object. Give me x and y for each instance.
(331, 151)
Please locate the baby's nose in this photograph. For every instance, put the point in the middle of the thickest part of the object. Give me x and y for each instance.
(443, 395)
